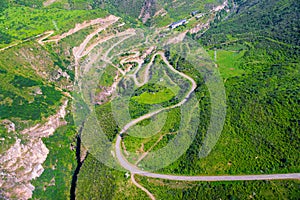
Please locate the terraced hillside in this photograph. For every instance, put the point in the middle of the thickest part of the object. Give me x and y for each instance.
(103, 100)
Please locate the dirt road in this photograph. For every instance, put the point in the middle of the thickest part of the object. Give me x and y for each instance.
(78, 51)
(194, 85)
(135, 170)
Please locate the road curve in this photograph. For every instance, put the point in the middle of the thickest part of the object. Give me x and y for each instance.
(135, 170)
(146, 116)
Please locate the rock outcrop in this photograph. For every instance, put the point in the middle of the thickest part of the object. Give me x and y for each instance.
(22, 162)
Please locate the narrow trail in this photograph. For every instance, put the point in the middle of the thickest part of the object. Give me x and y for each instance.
(140, 61)
(23, 41)
(47, 34)
(193, 87)
(147, 152)
(78, 51)
(135, 170)
(77, 28)
(105, 57)
(57, 38)
(142, 188)
(129, 32)
(83, 50)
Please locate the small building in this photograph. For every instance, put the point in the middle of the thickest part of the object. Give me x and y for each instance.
(194, 13)
(199, 16)
(179, 23)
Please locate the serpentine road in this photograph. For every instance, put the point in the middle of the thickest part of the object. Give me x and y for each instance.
(135, 170)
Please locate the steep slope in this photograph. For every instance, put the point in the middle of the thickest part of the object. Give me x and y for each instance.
(257, 52)
(277, 19)
(154, 11)
(35, 79)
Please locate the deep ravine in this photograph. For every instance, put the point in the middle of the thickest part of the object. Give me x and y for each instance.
(77, 170)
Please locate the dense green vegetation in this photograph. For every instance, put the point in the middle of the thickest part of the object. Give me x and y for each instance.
(19, 107)
(222, 190)
(24, 94)
(261, 130)
(95, 181)
(21, 22)
(3, 5)
(155, 94)
(258, 55)
(55, 182)
(261, 65)
(257, 106)
(277, 19)
(30, 3)
(107, 78)
(106, 121)
(126, 7)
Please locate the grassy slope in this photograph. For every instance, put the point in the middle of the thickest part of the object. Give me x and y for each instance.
(25, 94)
(27, 85)
(222, 190)
(260, 133)
(273, 19)
(97, 181)
(261, 130)
(20, 23)
(228, 62)
(157, 97)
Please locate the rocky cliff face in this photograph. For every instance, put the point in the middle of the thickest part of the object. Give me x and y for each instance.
(19, 165)
(23, 161)
(148, 10)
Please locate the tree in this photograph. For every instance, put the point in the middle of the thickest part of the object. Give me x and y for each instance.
(3, 5)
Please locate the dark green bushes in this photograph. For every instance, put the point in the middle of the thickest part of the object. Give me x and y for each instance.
(55, 182)
(25, 110)
(287, 189)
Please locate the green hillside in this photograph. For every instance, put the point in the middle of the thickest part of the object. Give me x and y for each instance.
(255, 44)
(31, 81)
(259, 60)
(19, 22)
(276, 19)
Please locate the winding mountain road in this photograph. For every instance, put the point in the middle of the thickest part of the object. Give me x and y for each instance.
(194, 85)
(135, 170)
